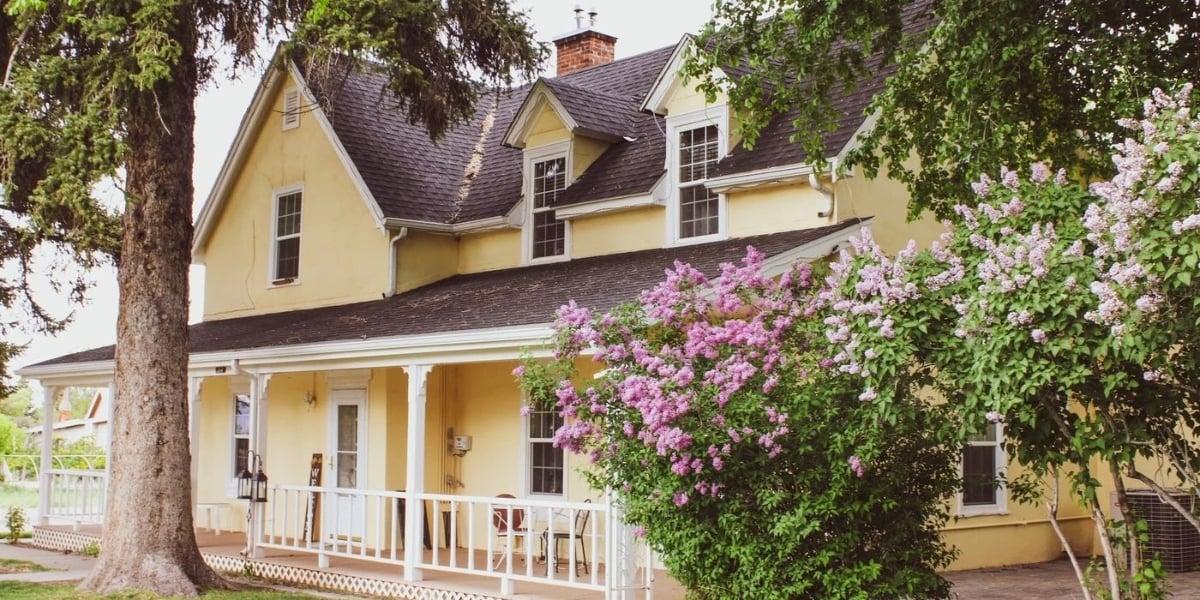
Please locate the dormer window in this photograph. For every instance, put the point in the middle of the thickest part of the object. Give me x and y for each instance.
(286, 237)
(696, 142)
(547, 176)
(549, 233)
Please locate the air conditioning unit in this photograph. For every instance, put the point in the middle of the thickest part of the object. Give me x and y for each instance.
(1172, 538)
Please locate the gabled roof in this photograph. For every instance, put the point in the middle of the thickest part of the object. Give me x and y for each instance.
(491, 299)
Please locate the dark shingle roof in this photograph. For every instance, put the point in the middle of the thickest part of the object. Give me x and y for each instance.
(414, 178)
(518, 296)
(596, 111)
(774, 147)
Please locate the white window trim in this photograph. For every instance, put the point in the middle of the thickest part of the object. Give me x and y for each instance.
(532, 156)
(272, 281)
(526, 465)
(291, 116)
(712, 115)
(237, 387)
(1000, 507)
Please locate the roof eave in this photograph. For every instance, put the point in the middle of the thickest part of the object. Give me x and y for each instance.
(770, 176)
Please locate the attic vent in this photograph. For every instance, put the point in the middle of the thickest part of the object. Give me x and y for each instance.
(291, 108)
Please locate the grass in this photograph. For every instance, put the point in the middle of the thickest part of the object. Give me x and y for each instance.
(19, 590)
(16, 495)
(10, 565)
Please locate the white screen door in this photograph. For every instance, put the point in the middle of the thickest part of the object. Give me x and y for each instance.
(345, 518)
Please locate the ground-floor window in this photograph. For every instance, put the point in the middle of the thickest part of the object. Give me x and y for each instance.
(547, 464)
(983, 471)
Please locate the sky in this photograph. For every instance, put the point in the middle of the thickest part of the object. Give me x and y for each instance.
(638, 25)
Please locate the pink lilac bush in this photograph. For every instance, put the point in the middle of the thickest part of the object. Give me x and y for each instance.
(731, 439)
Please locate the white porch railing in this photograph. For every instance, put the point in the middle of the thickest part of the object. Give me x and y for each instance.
(552, 542)
(77, 496)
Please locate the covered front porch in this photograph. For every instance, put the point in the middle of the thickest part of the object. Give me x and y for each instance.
(371, 577)
(356, 449)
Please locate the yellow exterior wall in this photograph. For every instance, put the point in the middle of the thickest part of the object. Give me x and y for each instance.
(547, 129)
(423, 258)
(489, 250)
(773, 209)
(343, 255)
(216, 476)
(584, 152)
(887, 201)
(625, 231)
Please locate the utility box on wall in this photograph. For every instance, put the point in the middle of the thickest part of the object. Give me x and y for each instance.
(462, 443)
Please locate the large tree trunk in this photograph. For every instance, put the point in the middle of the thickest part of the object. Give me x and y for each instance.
(148, 540)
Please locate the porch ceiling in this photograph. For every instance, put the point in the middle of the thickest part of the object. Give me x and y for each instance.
(499, 301)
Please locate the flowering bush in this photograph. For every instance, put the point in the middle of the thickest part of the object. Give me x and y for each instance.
(737, 450)
(1047, 294)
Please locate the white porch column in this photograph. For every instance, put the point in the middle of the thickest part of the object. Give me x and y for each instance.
(194, 384)
(415, 469)
(258, 445)
(48, 411)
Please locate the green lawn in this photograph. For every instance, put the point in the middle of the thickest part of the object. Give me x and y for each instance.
(18, 590)
(16, 495)
(12, 565)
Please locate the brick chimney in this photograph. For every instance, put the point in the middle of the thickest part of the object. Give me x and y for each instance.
(584, 47)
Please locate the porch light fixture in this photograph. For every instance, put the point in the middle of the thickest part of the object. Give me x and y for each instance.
(253, 486)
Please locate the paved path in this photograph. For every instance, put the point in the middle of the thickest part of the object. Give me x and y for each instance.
(66, 567)
(1052, 580)
(1048, 580)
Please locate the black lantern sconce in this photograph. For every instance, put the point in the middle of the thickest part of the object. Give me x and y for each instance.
(252, 486)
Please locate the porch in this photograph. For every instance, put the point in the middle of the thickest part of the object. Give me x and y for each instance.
(461, 547)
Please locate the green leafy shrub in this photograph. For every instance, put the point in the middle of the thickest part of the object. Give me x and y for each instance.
(753, 467)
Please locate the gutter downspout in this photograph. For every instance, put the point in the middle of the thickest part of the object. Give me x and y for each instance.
(392, 261)
(816, 184)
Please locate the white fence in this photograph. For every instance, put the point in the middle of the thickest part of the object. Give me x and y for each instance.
(559, 543)
(77, 496)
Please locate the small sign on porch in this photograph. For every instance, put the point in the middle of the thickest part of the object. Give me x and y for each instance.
(312, 525)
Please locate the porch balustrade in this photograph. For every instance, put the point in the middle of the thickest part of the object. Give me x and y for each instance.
(77, 495)
(459, 533)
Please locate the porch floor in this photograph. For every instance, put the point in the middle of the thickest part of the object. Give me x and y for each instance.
(300, 568)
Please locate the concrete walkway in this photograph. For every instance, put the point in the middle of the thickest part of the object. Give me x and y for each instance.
(65, 567)
(1044, 580)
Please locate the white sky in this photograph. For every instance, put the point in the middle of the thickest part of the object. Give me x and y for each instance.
(639, 25)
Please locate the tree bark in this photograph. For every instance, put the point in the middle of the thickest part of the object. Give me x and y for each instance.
(148, 540)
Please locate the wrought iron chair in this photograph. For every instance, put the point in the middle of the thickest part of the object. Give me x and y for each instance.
(581, 522)
(508, 525)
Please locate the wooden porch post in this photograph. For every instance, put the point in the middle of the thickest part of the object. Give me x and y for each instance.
(415, 469)
(48, 411)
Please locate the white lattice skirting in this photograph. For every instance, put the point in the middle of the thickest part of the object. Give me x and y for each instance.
(68, 541)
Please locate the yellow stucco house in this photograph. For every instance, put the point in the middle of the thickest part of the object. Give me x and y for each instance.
(368, 293)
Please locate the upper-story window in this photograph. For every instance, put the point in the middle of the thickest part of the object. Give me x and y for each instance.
(286, 237)
(983, 464)
(549, 233)
(698, 207)
(696, 142)
(547, 174)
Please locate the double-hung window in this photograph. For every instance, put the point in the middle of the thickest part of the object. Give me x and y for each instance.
(982, 472)
(547, 464)
(548, 233)
(241, 433)
(286, 237)
(696, 143)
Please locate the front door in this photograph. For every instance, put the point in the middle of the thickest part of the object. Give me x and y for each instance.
(345, 516)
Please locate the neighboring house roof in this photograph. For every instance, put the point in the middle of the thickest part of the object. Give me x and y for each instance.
(491, 299)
